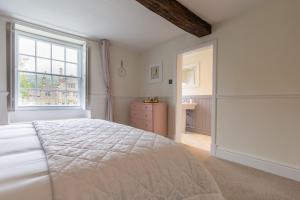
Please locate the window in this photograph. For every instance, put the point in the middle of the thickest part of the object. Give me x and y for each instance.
(49, 72)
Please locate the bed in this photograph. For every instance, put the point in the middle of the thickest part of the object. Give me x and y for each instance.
(89, 159)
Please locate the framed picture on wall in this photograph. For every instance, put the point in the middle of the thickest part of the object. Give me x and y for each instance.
(155, 73)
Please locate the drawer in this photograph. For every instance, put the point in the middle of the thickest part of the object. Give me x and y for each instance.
(147, 107)
(147, 125)
(141, 106)
(141, 124)
(134, 122)
(146, 115)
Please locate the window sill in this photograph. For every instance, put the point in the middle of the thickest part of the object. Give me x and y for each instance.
(50, 114)
(45, 108)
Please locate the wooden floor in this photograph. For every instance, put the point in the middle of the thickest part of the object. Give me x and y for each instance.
(239, 182)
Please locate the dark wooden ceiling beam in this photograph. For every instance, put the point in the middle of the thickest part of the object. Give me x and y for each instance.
(179, 15)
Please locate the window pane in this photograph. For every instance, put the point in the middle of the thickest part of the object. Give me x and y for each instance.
(71, 69)
(26, 63)
(26, 46)
(58, 67)
(43, 97)
(58, 98)
(43, 65)
(49, 73)
(71, 55)
(27, 97)
(72, 84)
(43, 49)
(58, 52)
(58, 83)
(72, 98)
(44, 82)
(26, 80)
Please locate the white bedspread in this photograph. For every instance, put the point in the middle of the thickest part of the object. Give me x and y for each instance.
(100, 160)
(23, 165)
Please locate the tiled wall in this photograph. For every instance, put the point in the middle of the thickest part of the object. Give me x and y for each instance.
(199, 120)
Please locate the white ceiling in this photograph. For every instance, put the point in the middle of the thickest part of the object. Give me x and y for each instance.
(122, 21)
(217, 11)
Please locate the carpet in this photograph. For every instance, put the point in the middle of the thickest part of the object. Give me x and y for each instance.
(238, 182)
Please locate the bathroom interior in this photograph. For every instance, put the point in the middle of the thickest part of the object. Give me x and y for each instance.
(197, 75)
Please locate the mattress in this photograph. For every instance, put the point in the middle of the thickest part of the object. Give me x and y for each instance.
(23, 166)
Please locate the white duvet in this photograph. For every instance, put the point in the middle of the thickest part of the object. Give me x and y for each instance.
(100, 160)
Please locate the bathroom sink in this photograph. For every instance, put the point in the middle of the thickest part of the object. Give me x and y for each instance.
(189, 106)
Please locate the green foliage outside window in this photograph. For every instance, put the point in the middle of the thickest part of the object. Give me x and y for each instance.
(26, 82)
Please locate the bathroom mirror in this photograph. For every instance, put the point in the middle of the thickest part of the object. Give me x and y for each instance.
(190, 76)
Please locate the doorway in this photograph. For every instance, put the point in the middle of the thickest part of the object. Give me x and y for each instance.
(195, 103)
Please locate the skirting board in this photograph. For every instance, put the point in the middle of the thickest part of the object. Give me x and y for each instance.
(257, 163)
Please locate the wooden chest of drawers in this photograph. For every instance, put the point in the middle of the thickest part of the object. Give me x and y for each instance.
(150, 117)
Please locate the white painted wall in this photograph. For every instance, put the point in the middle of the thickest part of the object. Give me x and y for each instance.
(257, 81)
(204, 59)
(125, 89)
(167, 54)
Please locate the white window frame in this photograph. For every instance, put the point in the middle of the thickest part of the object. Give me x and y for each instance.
(81, 76)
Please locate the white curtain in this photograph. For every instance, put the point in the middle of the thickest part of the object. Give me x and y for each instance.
(104, 48)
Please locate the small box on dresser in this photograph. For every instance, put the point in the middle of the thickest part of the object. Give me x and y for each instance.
(151, 117)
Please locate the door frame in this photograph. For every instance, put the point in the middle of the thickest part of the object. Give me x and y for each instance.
(178, 96)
